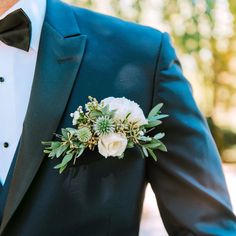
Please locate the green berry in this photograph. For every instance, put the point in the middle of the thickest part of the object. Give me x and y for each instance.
(84, 134)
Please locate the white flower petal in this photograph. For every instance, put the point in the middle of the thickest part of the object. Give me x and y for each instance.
(113, 144)
(125, 106)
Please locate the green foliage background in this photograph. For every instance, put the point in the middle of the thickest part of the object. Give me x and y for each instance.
(203, 31)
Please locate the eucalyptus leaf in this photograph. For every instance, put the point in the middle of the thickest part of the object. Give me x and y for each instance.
(152, 145)
(67, 158)
(46, 143)
(61, 149)
(78, 145)
(62, 169)
(161, 116)
(162, 147)
(64, 132)
(72, 131)
(152, 154)
(157, 117)
(55, 144)
(46, 151)
(153, 123)
(145, 138)
(58, 166)
(79, 153)
(64, 139)
(145, 151)
(152, 118)
(53, 153)
(159, 136)
(155, 110)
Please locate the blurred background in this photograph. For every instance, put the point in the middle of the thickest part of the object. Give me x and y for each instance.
(204, 35)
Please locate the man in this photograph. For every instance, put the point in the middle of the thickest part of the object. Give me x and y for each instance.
(63, 54)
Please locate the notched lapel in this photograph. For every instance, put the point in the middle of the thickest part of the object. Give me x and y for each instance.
(59, 58)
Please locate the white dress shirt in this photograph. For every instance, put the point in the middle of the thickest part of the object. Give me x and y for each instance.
(17, 71)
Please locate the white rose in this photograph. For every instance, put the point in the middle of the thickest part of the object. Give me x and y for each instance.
(123, 107)
(113, 144)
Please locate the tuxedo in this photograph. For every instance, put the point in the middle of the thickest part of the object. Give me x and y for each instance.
(84, 53)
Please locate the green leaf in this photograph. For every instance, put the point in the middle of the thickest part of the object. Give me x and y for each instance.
(53, 153)
(95, 114)
(153, 123)
(72, 131)
(79, 153)
(78, 144)
(152, 145)
(145, 138)
(121, 156)
(161, 116)
(157, 117)
(152, 154)
(61, 149)
(67, 158)
(64, 162)
(58, 166)
(112, 113)
(152, 118)
(46, 143)
(145, 151)
(130, 144)
(62, 169)
(159, 136)
(127, 116)
(105, 110)
(46, 151)
(162, 147)
(55, 144)
(155, 110)
(64, 132)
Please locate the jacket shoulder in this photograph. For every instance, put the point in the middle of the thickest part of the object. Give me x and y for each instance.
(144, 37)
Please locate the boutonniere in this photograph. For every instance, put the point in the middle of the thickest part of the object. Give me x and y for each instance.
(112, 125)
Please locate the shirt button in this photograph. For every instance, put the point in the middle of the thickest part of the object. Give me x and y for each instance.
(2, 79)
(6, 145)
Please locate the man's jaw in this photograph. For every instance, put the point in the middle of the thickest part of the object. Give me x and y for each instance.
(6, 4)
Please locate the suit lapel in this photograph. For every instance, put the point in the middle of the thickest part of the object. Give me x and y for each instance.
(60, 54)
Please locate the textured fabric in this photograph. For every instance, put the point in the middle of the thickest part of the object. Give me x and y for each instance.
(17, 68)
(99, 196)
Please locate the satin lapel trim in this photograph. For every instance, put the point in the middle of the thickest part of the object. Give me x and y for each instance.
(58, 63)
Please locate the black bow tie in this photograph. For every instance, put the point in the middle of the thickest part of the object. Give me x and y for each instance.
(15, 30)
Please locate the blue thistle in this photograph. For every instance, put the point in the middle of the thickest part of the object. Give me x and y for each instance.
(104, 125)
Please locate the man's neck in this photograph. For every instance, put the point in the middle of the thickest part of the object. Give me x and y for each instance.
(6, 4)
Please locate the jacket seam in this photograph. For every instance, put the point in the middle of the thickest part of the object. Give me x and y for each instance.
(156, 70)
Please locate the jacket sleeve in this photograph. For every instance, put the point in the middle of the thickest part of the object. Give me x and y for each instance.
(188, 180)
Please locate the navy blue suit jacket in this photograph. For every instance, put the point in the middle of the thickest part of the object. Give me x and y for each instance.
(86, 53)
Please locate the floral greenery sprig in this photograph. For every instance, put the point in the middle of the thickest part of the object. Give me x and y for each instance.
(112, 125)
